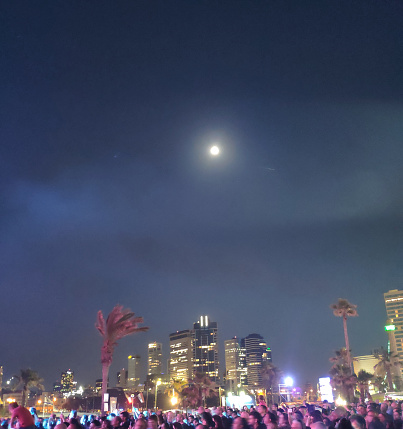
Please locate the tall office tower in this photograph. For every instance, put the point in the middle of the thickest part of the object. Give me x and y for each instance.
(206, 348)
(154, 359)
(133, 371)
(67, 381)
(257, 353)
(121, 377)
(181, 353)
(1, 377)
(394, 327)
(235, 365)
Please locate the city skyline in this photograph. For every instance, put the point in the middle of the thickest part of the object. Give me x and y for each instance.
(139, 367)
(111, 192)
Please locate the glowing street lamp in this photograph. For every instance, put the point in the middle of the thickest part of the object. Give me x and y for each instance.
(43, 406)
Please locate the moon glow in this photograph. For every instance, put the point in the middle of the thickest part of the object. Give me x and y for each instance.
(214, 150)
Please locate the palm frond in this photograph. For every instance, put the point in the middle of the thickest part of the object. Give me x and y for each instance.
(100, 323)
(344, 308)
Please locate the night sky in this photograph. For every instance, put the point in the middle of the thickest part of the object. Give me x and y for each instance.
(109, 195)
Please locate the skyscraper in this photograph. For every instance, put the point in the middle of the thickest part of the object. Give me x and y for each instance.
(133, 371)
(181, 354)
(1, 377)
(394, 311)
(121, 378)
(257, 353)
(235, 365)
(206, 348)
(67, 381)
(154, 359)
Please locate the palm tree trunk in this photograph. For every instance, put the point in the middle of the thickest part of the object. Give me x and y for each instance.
(362, 394)
(24, 395)
(105, 372)
(347, 342)
(390, 380)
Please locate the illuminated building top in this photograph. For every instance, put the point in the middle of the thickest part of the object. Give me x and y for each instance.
(206, 348)
(154, 358)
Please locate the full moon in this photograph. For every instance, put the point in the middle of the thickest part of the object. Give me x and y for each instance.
(214, 150)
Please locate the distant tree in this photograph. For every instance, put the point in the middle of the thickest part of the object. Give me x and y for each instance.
(191, 397)
(343, 381)
(27, 380)
(344, 309)
(340, 357)
(271, 376)
(363, 378)
(341, 378)
(71, 404)
(398, 383)
(387, 367)
(175, 388)
(379, 383)
(119, 324)
(206, 387)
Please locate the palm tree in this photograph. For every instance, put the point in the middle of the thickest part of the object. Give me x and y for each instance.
(119, 324)
(175, 388)
(343, 381)
(363, 377)
(341, 357)
(271, 376)
(27, 380)
(379, 383)
(345, 309)
(387, 367)
(191, 397)
(207, 388)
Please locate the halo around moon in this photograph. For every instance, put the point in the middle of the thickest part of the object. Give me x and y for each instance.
(214, 150)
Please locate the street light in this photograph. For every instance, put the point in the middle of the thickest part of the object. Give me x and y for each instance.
(156, 393)
(43, 407)
(288, 382)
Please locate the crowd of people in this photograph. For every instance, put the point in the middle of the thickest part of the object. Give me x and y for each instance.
(385, 415)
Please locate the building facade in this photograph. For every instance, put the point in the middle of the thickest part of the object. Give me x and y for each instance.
(366, 363)
(154, 359)
(133, 371)
(67, 382)
(257, 353)
(206, 348)
(181, 355)
(235, 365)
(394, 311)
(121, 378)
